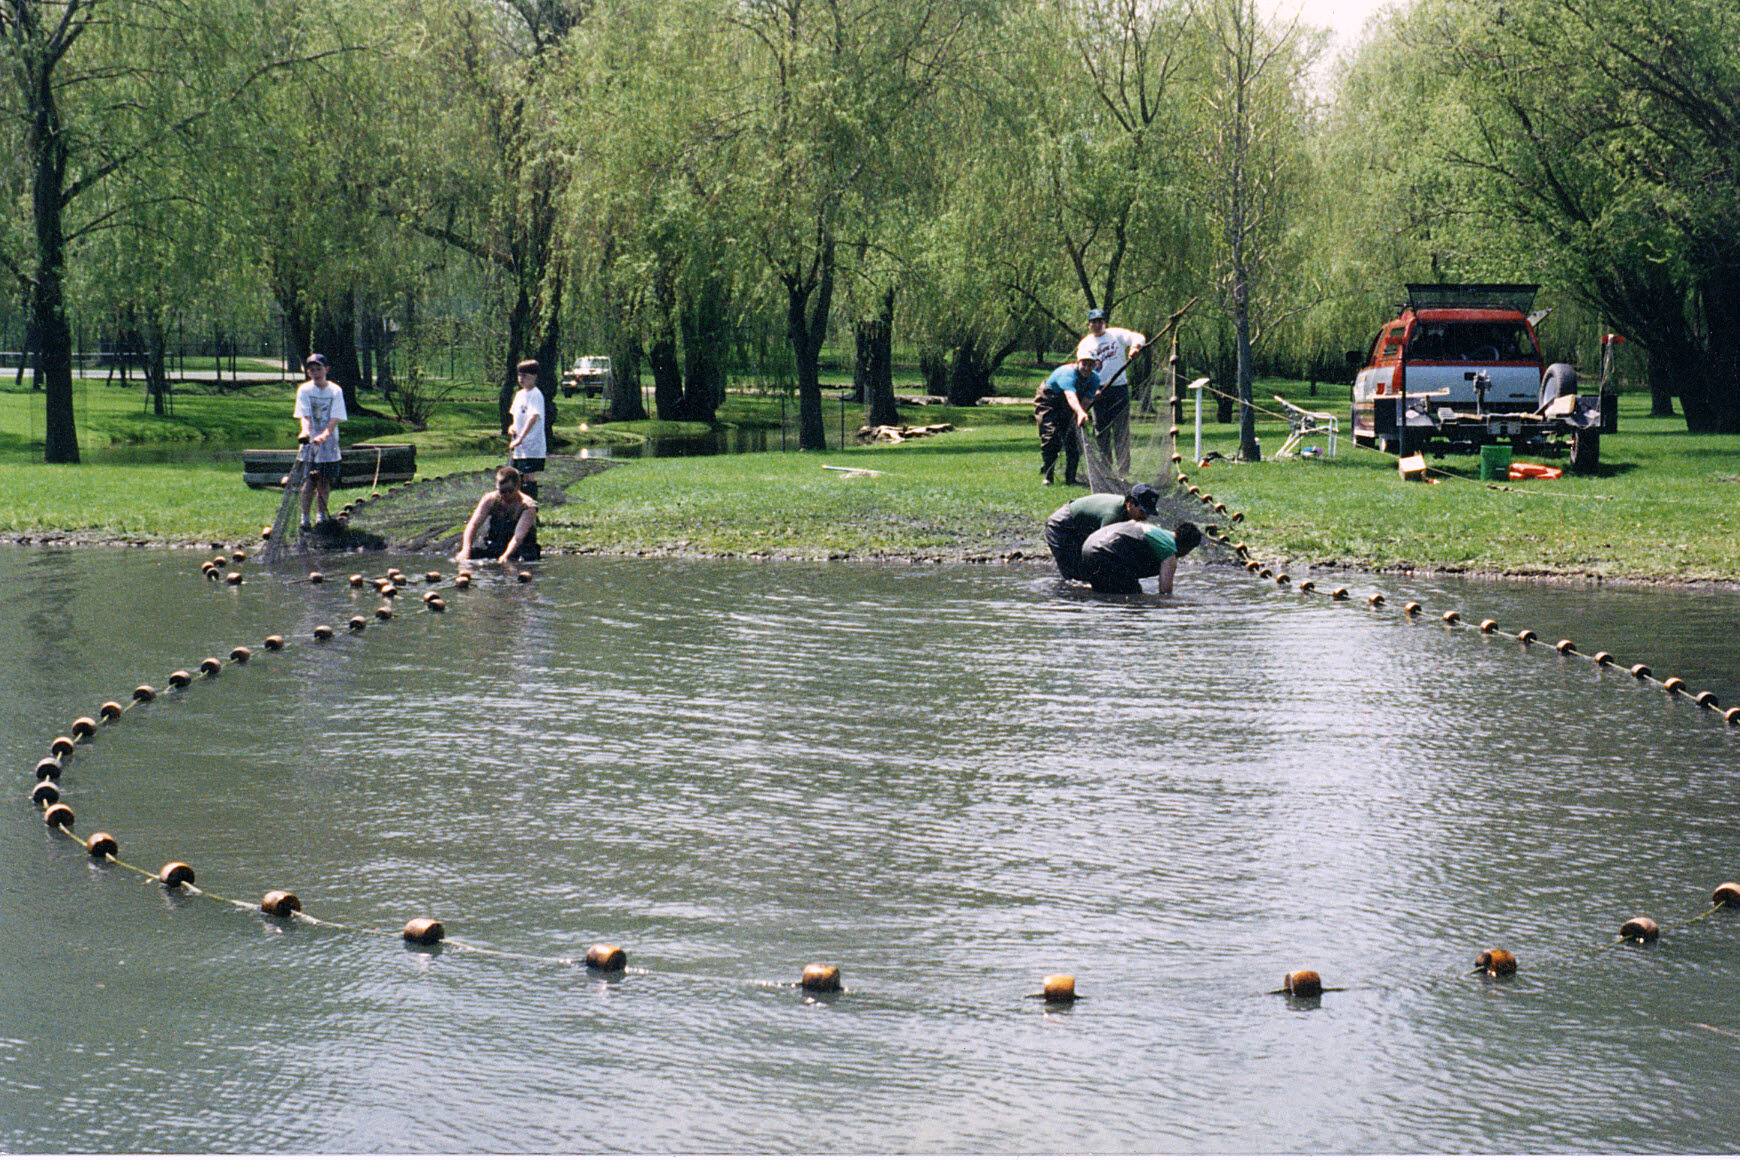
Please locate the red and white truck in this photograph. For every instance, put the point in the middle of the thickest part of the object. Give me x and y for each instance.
(1461, 368)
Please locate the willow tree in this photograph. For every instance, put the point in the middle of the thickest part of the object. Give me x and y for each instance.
(99, 86)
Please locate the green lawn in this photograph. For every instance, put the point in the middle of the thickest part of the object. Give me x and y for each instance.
(1662, 507)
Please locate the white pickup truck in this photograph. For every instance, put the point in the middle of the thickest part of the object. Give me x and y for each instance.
(1461, 368)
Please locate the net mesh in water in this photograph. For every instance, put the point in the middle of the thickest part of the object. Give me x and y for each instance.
(429, 515)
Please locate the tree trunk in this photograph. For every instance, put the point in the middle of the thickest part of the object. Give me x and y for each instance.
(873, 371)
(335, 337)
(156, 369)
(47, 145)
(969, 375)
(1249, 450)
(667, 379)
(809, 298)
(622, 398)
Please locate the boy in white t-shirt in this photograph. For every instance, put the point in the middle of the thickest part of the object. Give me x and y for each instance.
(526, 446)
(320, 407)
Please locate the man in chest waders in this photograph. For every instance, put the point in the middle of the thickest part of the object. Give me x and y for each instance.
(1061, 406)
(1070, 525)
(1117, 556)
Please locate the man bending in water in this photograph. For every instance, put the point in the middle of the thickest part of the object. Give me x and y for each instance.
(509, 520)
(1117, 556)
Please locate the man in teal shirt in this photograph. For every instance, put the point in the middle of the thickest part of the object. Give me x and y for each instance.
(1061, 407)
(1116, 557)
(1070, 525)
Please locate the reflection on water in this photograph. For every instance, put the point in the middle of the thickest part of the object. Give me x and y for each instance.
(948, 781)
(719, 441)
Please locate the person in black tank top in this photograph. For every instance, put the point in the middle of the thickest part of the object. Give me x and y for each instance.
(508, 520)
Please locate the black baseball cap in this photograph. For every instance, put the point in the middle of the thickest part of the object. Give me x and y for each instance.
(1145, 497)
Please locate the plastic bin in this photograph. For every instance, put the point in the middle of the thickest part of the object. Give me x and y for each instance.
(1495, 461)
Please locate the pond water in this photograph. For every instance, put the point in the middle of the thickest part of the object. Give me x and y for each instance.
(948, 781)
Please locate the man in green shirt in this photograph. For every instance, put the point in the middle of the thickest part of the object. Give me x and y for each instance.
(1117, 556)
(1070, 525)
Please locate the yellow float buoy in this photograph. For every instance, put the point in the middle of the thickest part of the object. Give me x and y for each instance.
(59, 817)
(103, 845)
(356, 580)
(463, 580)
(1282, 578)
(266, 533)
(1375, 599)
(1727, 894)
(1338, 594)
(1307, 585)
(437, 605)
(110, 710)
(1603, 659)
(61, 746)
(233, 578)
(238, 556)
(383, 613)
(1641, 672)
(144, 693)
(358, 623)
(1526, 635)
(1673, 685)
(49, 768)
(45, 793)
(280, 903)
(525, 577)
(1058, 988)
(821, 979)
(1253, 565)
(210, 666)
(323, 632)
(241, 654)
(1565, 648)
(1451, 617)
(1643, 930)
(180, 679)
(1707, 699)
(1304, 984)
(1183, 478)
(1496, 962)
(1489, 625)
(389, 592)
(84, 727)
(432, 577)
(604, 957)
(1412, 608)
(1265, 573)
(1220, 507)
(424, 931)
(175, 874)
(1732, 716)
(274, 643)
(317, 577)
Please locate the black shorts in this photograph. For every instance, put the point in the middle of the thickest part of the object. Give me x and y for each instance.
(330, 472)
(524, 465)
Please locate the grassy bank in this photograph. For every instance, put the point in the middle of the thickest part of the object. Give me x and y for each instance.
(1662, 507)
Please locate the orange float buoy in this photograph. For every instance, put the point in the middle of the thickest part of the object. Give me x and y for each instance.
(1732, 716)
(274, 643)
(1220, 507)
(210, 666)
(1707, 699)
(323, 632)
(58, 817)
(1451, 617)
(144, 693)
(424, 931)
(1375, 599)
(1183, 478)
(48, 768)
(233, 578)
(1526, 635)
(1641, 672)
(525, 577)
(437, 605)
(180, 679)
(1412, 608)
(1194, 490)
(432, 577)
(218, 561)
(383, 613)
(1727, 894)
(1282, 578)
(280, 903)
(61, 746)
(1176, 458)
(1338, 594)
(463, 580)
(1643, 930)
(1496, 962)
(1253, 565)
(317, 577)
(1238, 517)
(821, 979)
(46, 793)
(238, 556)
(1057, 988)
(1673, 685)
(389, 592)
(358, 623)
(84, 727)
(110, 710)
(266, 533)
(103, 845)
(241, 655)
(604, 957)
(356, 580)
(175, 874)
(1489, 625)
(1602, 658)
(1264, 573)
(1565, 647)
(1304, 984)
(1307, 585)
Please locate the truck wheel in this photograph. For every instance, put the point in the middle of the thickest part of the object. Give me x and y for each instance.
(1585, 451)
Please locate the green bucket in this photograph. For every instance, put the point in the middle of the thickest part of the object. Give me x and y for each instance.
(1494, 462)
